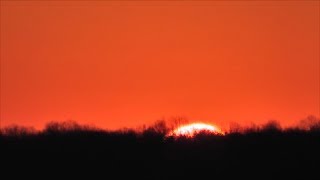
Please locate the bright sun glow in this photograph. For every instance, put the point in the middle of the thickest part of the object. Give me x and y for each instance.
(194, 128)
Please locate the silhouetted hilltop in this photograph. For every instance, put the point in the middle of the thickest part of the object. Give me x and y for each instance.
(68, 150)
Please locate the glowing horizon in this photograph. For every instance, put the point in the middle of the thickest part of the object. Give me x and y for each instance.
(192, 129)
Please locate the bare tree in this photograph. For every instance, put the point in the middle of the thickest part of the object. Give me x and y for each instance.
(309, 123)
(177, 121)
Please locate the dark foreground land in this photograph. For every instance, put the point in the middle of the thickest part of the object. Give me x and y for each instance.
(75, 153)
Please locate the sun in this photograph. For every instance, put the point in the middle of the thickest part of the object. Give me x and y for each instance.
(191, 129)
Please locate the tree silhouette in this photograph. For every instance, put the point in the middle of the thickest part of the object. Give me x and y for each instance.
(70, 150)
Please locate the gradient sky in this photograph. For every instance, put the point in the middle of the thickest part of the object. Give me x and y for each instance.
(124, 64)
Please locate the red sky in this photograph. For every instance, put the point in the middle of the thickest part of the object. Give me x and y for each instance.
(124, 64)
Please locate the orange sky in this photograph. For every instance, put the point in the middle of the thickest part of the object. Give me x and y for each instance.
(124, 64)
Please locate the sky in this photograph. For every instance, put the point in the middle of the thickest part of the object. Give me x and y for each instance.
(124, 64)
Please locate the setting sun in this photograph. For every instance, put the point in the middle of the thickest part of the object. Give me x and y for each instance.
(194, 128)
(160, 89)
